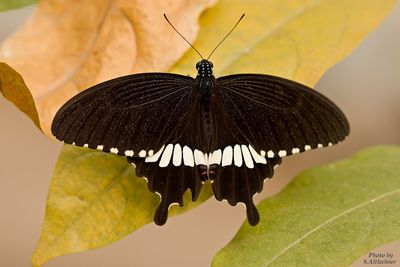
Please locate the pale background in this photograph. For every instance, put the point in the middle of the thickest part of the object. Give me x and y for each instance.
(365, 85)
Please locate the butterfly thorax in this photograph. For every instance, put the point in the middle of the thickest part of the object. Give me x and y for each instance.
(204, 68)
(205, 80)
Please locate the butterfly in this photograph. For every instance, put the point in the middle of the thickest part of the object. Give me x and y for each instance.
(180, 131)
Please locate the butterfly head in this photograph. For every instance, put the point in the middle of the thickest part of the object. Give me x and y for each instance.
(204, 68)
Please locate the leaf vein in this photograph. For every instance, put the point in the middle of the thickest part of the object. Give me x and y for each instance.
(330, 221)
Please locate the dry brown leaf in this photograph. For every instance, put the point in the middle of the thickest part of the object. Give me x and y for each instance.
(67, 46)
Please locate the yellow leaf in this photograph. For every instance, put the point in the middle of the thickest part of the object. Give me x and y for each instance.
(295, 39)
(13, 87)
(88, 208)
(67, 46)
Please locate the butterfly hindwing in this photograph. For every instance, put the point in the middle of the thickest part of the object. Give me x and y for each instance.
(170, 182)
(131, 116)
(280, 116)
(240, 176)
(237, 173)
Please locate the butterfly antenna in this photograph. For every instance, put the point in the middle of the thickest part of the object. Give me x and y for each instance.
(194, 48)
(226, 36)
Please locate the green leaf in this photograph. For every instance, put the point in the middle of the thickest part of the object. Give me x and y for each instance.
(12, 4)
(87, 208)
(328, 216)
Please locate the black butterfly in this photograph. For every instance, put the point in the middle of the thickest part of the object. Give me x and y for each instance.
(179, 131)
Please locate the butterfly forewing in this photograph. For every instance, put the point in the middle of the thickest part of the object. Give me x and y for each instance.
(280, 116)
(133, 115)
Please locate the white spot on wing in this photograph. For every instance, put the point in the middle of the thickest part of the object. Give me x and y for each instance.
(142, 153)
(307, 147)
(199, 157)
(227, 156)
(188, 156)
(282, 153)
(177, 158)
(215, 157)
(172, 204)
(114, 150)
(100, 147)
(295, 150)
(320, 145)
(237, 156)
(154, 157)
(257, 157)
(166, 156)
(262, 153)
(270, 154)
(151, 152)
(86, 145)
(129, 153)
(329, 144)
(247, 157)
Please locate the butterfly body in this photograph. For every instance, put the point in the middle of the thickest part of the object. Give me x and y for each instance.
(205, 85)
(180, 131)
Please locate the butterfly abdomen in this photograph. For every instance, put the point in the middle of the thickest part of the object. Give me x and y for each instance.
(207, 123)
